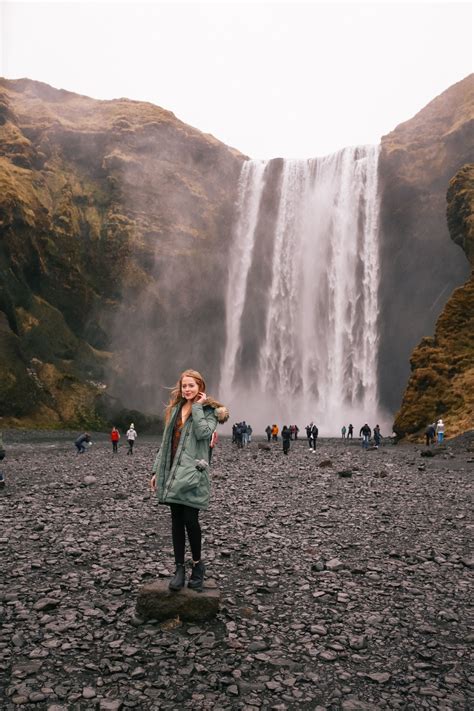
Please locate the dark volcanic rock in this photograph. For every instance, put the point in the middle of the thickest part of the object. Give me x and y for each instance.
(334, 595)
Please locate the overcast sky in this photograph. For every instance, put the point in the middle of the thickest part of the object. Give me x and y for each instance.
(270, 78)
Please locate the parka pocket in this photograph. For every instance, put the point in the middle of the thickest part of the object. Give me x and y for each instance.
(187, 478)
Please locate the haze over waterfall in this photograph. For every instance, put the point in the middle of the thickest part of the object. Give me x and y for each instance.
(302, 300)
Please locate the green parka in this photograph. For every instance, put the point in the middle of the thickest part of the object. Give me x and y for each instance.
(183, 482)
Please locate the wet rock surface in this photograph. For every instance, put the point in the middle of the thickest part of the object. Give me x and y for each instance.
(336, 593)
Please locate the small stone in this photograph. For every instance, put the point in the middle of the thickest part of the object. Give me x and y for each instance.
(88, 692)
(45, 603)
(379, 677)
(110, 704)
(334, 564)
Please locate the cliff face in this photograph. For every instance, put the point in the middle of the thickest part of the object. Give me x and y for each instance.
(103, 204)
(420, 265)
(442, 379)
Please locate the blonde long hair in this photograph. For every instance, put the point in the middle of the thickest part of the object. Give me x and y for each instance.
(176, 397)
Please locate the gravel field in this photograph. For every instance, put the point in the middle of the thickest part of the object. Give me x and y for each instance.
(346, 592)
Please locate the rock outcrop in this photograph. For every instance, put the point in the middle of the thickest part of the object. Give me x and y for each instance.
(420, 265)
(442, 379)
(103, 205)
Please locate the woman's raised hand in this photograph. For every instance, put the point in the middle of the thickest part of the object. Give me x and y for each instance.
(201, 397)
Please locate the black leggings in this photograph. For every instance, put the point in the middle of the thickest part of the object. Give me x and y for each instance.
(185, 518)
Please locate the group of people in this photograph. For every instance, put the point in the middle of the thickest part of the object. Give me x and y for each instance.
(272, 432)
(434, 431)
(131, 437)
(84, 440)
(241, 434)
(347, 432)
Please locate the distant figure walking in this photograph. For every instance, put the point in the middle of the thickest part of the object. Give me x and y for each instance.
(377, 435)
(131, 437)
(440, 431)
(249, 434)
(430, 434)
(81, 442)
(314, 436)
(275, 431)
(268, 431)
(2, 457)
(297, 429)
(245, 434)
(286, 438)
(343, 432)
(350, 432)
(308, 429)
(365, 433)
(238, 435)
(115, 436)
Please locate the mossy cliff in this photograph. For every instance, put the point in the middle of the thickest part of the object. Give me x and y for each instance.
(442, 378)
(99, 201)
(420, 264)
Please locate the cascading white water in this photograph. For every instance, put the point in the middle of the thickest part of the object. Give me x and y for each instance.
(250, 189)
(316, 357)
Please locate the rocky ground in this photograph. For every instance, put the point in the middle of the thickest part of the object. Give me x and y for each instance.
(338, 592)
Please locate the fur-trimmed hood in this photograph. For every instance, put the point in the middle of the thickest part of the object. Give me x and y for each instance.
(222, 413)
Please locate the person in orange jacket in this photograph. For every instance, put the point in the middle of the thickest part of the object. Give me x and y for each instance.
(115, 436)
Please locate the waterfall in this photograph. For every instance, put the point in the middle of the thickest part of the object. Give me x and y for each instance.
(314, 346)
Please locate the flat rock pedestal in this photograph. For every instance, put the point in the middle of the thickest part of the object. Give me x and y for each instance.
(156, 601)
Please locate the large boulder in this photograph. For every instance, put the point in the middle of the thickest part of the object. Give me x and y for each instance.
(156, 601)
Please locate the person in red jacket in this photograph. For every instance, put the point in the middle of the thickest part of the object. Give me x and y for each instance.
(115, 436)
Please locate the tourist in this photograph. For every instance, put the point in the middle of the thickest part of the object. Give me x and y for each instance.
(180, 472)
(343, 432)
(114, 437)
(365, 433)
(2, 457)
(268, 430)
(286, 437)
(275, 431)
(249, 434)
(245, 434)
(377, 435)
(308, 429)
(131, 437)
(440, 431)
(430, 434)
(314, 437)
(297, 429)
(239, 435)
(82, 441)
(350, 431)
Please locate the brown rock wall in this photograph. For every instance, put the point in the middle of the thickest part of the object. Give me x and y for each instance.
(442, 378)
(98, 199)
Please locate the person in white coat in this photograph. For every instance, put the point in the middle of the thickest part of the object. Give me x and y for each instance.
(131, 437)
(440, 430)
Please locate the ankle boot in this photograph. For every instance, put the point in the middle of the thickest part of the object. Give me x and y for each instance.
(177, 581)
(197, 576)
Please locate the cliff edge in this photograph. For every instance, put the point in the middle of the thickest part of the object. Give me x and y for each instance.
(442, 378)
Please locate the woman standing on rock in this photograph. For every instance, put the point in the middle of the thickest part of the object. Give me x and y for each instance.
(180, 472)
